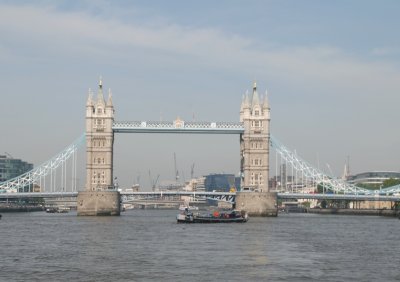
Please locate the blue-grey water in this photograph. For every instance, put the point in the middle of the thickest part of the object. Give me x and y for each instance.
(148, 245)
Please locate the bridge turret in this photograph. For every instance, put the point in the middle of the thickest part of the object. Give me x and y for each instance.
(109, 101)
(245, 110)
(89, 104)
(266, 101)
(266, 112)
(109, 105)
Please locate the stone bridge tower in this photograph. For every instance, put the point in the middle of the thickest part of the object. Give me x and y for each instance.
(99, 197)
(254, 158)
(254, 142)
(99, 142)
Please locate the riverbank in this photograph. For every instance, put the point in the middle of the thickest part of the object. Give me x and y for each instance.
(379, 212)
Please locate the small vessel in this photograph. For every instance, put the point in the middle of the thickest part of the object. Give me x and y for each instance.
(215, 217)
(57, 210)
(189, 208)
(51, 210)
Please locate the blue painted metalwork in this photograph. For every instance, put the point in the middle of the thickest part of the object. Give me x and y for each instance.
(178, 126)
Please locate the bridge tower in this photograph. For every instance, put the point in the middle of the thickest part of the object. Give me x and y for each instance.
(254, 157)
(254, 142)
(99, 142)
(99, 197)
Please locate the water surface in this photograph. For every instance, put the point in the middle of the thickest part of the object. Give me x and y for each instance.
(148, 245)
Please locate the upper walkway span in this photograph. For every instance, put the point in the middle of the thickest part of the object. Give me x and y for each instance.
(178, 126)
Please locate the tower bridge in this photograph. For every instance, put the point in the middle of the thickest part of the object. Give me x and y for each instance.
(253, 131)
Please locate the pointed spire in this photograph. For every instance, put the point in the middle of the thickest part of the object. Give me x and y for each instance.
(242, 104)
(266, 101)
(255, 100)
(246, 100)
(109, 101)
(100, 97)
(89, 101)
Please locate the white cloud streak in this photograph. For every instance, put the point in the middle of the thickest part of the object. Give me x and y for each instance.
(82, 34)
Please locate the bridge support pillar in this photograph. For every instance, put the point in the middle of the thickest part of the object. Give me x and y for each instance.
(98, 203)
(257, 203)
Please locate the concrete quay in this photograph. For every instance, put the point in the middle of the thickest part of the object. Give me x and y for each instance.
(379, 212)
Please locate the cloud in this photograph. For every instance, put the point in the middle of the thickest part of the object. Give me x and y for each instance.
(385, 51)
(79, 33)
(314, 86)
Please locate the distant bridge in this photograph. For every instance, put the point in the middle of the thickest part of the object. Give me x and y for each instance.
(303, 169)
(219, 196)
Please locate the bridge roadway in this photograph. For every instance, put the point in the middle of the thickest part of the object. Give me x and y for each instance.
(221, 196)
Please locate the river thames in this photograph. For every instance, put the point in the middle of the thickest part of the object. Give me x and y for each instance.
(148, 245)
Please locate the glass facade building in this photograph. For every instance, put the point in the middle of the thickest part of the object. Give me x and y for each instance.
(375, 178)
(10, 168)
(219, 182)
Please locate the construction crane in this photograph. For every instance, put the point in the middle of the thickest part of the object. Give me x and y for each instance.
(192, 171)
(153, 182)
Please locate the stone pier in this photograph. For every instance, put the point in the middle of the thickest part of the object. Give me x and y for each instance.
(98, 203)
(257, 203)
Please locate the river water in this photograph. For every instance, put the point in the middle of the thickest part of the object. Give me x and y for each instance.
(148, 245)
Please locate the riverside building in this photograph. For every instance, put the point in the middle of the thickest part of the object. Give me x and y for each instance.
(10, 168)
(373, 178)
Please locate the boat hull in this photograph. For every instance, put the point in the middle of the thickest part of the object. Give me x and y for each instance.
(221, 218)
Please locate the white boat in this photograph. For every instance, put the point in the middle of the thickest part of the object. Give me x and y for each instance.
(189, 208)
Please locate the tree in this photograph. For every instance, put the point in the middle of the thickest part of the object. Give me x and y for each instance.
(390, 182)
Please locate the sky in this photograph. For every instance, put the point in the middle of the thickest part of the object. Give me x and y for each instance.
(331, 68)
